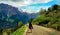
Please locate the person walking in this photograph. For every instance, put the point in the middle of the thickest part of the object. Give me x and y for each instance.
(30, 27)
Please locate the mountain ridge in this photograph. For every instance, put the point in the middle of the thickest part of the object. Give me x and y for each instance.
(8, 13)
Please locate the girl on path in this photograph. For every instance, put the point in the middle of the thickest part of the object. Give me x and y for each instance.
(30, 27)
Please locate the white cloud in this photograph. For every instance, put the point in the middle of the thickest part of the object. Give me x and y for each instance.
(16, 4)
(19, 3)
(22, 2)
(45, 1)
(31, 9)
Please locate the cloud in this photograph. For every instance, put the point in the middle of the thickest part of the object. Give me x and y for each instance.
(23, 2)
(30, 9)
(42, 1)
(30, 6)
(16, 0)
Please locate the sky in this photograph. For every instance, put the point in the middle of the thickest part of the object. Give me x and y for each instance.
(31, 6)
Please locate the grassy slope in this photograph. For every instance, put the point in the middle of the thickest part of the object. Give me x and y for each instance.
(19, 31)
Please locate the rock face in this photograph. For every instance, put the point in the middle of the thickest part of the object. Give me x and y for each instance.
(10, 15)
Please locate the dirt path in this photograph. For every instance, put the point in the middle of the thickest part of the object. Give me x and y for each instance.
(39, 30)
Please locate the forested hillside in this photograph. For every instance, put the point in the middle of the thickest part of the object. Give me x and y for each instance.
(11, 17)
(49, 18)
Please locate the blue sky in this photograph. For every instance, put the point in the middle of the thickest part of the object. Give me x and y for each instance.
(31, 6)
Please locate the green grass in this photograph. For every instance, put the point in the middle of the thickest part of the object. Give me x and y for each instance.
(20, 31)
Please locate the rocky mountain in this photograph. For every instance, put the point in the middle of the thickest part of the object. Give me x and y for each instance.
(10, 15)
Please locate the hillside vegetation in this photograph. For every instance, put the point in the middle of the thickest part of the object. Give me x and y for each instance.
(49, 18)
